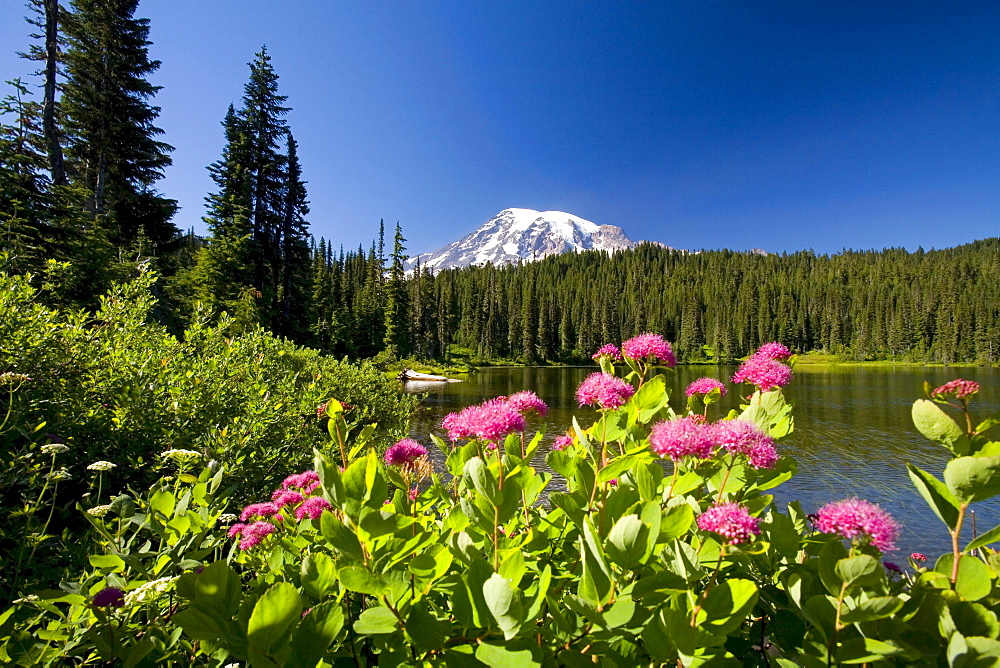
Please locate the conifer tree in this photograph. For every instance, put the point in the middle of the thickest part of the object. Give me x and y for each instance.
(113, 150)
(397, 335)
(293, 316)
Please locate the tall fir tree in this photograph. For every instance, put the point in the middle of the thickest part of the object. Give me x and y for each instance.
(397, 334)
(112, 147)
(262, 121)
(296, 280)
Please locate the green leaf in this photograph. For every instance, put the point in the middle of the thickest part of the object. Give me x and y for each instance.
(274, 615)
(974, 577)
(375, 621)
(482, 479)
(163, 502)
(340, 537)
(862, 570)
(973, 619)
(991, 536)
(330, 479)
(217, 590)
(425, 631)
(936, 494)
(318, 574)
(500, 657)
(727, 605)
(459, 456)
(315, 633)
(595, 585)
(627, 541)
(616, 468)
(504, 604)
(110, 561)
(973, 478)
(199, 625)
(363, 581)
(675, 522)
(938, 427)
(879, 607)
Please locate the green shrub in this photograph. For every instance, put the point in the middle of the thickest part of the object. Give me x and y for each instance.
(111, 386)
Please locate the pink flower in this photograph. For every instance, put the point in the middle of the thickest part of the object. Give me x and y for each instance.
(856, 519)
(704, 386)
(259, 510)
(562, 442)
(748, 440)
(918, 556)
(414, 493)
(766, 374)
(404, 453)
(253, 534)
(489, 421)
(109, 597)
(608, 350)
(681, 438)
(773, 351)
(307, 481)
(312, 508)
(892, 566)
(527, 402)
(730, 520)
(604, 390)
(958, 388)
(236, 530)
(650, 347)
(285, 497)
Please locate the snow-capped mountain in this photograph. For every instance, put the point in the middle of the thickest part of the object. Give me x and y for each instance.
(527, 235)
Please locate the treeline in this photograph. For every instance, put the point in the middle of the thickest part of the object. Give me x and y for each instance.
(935, 306)
(932, 306)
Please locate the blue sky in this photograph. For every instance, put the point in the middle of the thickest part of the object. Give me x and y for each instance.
(775, 125)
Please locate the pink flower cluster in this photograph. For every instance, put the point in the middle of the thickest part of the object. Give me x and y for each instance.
(704, 386)
(682, 438)
(856, 519)
(527, 401)
(731, 521)
(958, 388)
(604, 391)
(608, 350)
(489, 421)
(404, 453)
(691, 436)
(765, 373)
(562, 442)
(649, 347)
(295, 494)
(748, 440)
(773, 351)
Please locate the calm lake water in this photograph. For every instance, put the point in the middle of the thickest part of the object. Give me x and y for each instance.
(853, 434)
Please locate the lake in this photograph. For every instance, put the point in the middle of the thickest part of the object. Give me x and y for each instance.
(853, 434)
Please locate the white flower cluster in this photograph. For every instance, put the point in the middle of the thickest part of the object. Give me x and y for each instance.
(150, 591)
(227, 518)
(99, 511)
(61, 474)
(11, 378)
(180, 454)
(101, 466)
(54, 448)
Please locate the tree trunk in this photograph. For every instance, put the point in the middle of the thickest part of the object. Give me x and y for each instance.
(56, 165)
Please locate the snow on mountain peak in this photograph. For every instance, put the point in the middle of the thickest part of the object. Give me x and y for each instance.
(525, 235)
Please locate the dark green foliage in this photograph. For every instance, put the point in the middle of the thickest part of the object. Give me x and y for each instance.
(112, 146)
(863, 305)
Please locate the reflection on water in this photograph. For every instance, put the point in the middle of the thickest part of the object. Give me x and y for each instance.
(853, 433)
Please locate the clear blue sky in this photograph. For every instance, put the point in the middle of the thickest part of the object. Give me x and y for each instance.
(778, 125)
